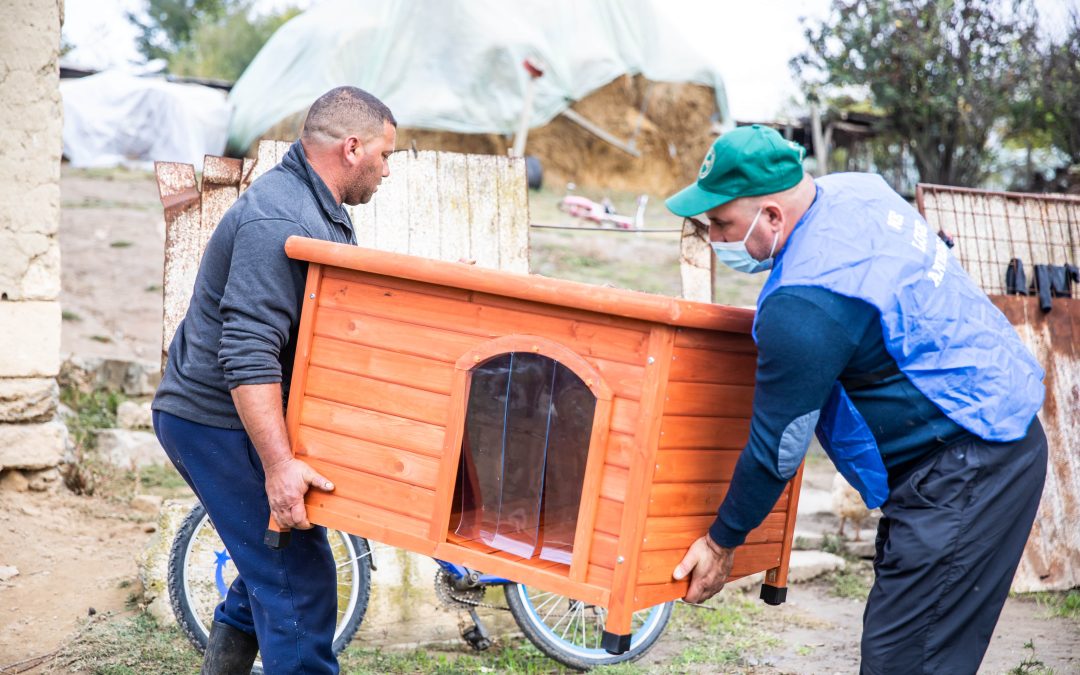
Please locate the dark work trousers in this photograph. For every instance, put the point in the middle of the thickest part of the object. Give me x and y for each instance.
(948, 544)
(287, 598)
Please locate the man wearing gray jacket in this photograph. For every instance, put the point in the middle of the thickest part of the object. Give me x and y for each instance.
(219, 411)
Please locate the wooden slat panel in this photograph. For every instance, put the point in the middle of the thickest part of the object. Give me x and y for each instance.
(426, 439)
(354, 453)
(603, 551)
(391, 283)
(599, 576)
(393, 495)
(679, 532)
(620, 449)
(381, 364)
(404, 338)
(624, 379)
(656, 566)
(698, 499)
(693, 338)
(454, 238)
(705, 365)
(704, 432)
(385, 397)
(710, 400)
(695, 466)
(424, 212)
(360, 511)
(513, 213)
(617, 344)
(613, 483)
(484, 213)
(625, 416)
(608, 516)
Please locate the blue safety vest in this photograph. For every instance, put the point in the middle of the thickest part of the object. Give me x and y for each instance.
(861, 240)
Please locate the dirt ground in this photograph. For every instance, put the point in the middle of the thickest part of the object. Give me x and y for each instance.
(76, 555)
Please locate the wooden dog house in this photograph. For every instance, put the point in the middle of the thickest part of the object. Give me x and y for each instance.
(574, 438)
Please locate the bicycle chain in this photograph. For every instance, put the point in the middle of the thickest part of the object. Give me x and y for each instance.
(446, 593)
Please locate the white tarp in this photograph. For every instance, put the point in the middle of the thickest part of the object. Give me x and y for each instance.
(116, 118)
(456, 65)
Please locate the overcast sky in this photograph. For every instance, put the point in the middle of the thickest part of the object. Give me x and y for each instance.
(749, 43)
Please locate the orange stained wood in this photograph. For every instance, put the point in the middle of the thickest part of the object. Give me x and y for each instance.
(354, 453)
(382, 364)
(594, 467)
(697, 499)
(378, 491)
(777, 576)
(707, 365)
(705, 399)
(355, 327)
(608, 516)
(620, 611)
(450, 456)
(620, 449)
(672, 533)
(474, 317)
(685, 433)
(735, 343)
(399, 432)
(297, 385)
(376, 524)
(534, 288)
(695, 466)
(380, 396)
(657, 566)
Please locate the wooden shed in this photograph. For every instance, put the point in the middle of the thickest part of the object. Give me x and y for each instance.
(570, 437)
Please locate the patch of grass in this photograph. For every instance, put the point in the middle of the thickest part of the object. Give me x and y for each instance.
(134, 645)
(852, 582)
(804, 650)
(121, 243)
(731, 632)
(163, 481)
(153, 288)
(68, 315)
(1061, 604)
(517, 656)
(91, 411)
(1031, 665)
(105, 339)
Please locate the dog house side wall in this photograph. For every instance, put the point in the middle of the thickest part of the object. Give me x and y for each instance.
(708, 400)
(375, 412)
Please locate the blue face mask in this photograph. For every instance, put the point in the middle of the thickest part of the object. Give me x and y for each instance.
(734, 253)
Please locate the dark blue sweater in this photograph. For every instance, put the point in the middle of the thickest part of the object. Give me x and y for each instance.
(241, 325)
(808, 338)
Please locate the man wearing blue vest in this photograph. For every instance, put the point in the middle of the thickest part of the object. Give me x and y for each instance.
(871, 334)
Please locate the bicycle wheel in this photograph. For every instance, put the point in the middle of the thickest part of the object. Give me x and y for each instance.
(569, 630)
(201, 571)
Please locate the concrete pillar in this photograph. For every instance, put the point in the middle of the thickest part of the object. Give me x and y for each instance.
(31, 435)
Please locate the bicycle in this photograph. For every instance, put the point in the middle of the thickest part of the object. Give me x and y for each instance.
(566, 630)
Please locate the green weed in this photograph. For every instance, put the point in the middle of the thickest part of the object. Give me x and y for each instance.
(133, 645)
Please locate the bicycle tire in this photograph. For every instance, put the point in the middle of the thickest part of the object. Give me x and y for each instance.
(194, 594)
(525, 606)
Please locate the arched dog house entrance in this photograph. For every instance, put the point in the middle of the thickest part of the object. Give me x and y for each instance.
(533, 408)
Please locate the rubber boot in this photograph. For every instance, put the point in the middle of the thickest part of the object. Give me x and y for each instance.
(229, 651)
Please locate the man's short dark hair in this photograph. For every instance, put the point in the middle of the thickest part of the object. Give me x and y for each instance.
(346, 111)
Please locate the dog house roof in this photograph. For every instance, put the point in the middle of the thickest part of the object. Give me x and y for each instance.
(531, 287)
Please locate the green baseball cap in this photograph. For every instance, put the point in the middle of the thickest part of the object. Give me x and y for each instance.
(745, 162)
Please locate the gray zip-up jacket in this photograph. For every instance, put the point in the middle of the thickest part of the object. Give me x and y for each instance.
(241, 325)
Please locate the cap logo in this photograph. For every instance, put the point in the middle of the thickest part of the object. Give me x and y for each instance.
(707, 165)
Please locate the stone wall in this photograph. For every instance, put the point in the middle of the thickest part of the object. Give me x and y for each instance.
(31, 435)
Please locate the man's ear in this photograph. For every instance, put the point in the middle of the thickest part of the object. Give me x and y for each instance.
(352, 150)
(773, 213)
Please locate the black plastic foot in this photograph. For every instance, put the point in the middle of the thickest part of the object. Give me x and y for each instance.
(615, 644)
(773, 595)
(275, 539)
(476, 635)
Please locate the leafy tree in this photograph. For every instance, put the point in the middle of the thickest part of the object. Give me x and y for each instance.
(205, 38)
(167, 25)
(222, 49)
(1060, 90)
(943, 72)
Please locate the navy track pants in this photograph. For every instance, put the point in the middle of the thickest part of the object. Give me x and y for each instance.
(953, 531)
(287, 598)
